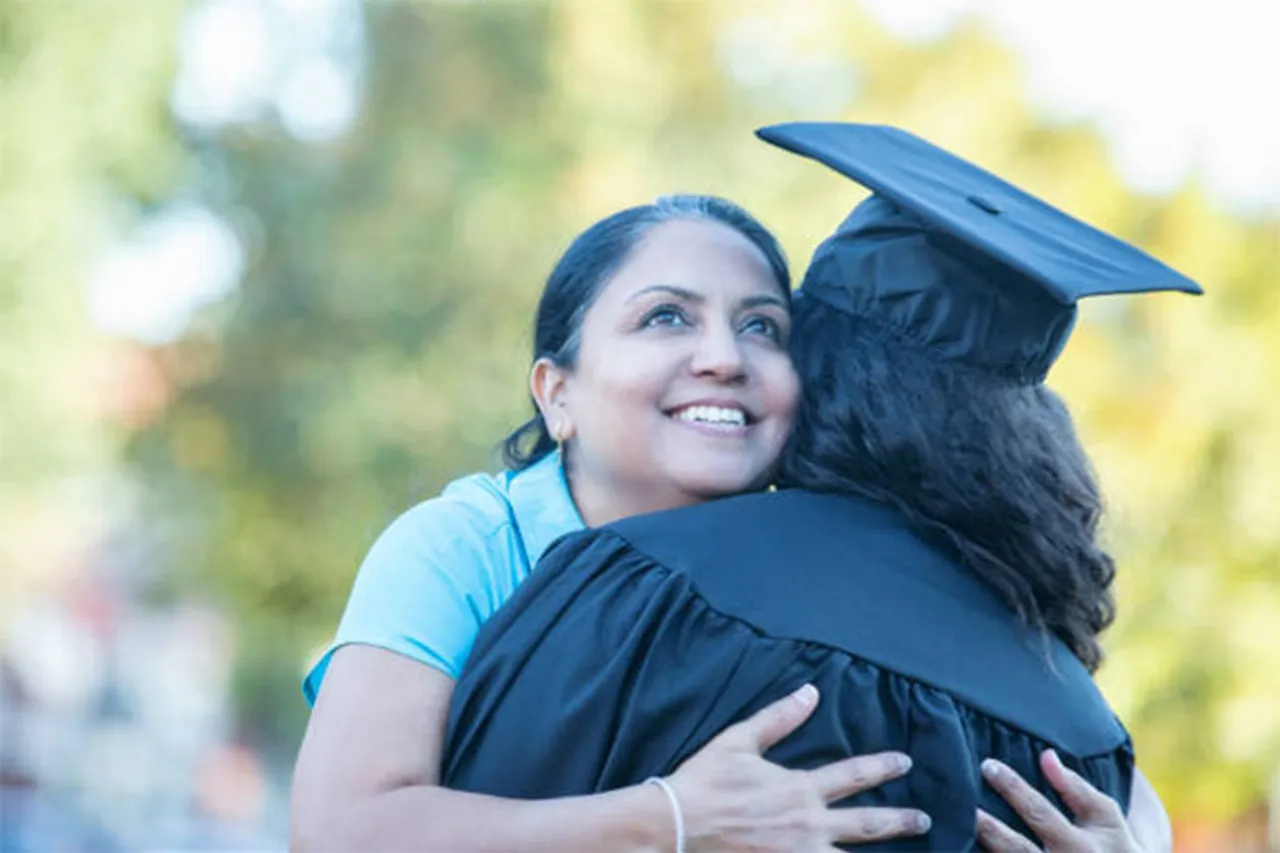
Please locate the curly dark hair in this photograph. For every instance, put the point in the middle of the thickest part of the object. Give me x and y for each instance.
(987, 470)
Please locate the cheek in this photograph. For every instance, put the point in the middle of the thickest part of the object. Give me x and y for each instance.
(782, 393)
(620, 390)
(631, 388)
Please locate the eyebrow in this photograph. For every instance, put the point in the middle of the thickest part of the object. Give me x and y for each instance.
(691, 296)
(682, 292)
(756, 301)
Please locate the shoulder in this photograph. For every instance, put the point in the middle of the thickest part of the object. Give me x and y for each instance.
(467, 515)
(460, 546)
(432, 577)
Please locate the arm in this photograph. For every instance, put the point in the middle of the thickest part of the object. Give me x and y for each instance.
(366, 777)
(366, 780)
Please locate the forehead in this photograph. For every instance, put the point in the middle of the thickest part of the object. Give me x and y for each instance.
(706, 257)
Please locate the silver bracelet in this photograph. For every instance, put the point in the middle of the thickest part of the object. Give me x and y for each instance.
(675, 808)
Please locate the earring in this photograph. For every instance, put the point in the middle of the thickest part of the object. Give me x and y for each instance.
(557, 435)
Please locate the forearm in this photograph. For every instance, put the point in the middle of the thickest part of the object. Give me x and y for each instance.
(427, 819)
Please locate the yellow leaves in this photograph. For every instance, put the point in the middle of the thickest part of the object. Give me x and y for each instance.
(605, 181)
(603, 62)
(1248, 724)
(1187, 233)
(1254, 487)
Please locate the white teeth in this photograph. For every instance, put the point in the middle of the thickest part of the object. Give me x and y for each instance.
(712, 415)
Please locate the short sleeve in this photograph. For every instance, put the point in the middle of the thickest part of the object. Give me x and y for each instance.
(425, 587)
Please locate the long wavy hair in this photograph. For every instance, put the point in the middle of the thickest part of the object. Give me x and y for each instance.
(991, 472)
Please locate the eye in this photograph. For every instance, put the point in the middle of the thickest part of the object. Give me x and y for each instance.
(665, 316)
(762, 325)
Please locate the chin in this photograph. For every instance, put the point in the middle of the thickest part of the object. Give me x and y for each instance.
(710, 485)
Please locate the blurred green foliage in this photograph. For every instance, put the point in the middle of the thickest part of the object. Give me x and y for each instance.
(85, 141)
(377, 345)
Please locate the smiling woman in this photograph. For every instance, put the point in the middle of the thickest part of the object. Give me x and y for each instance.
(661, 379)
(682, 391)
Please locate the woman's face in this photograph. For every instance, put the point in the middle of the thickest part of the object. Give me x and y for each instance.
(683, 388)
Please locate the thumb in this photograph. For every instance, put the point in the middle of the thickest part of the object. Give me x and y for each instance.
(772, 723)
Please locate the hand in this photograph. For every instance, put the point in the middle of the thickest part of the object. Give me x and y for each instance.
(1099, 827)
(735, 800)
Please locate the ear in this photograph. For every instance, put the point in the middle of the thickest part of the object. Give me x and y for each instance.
(549, 384)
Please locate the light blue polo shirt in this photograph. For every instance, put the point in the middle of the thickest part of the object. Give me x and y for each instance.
(445, 566)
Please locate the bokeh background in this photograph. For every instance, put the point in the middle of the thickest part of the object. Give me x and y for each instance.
(267, 272)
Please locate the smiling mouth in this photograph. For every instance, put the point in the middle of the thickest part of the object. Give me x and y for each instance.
(716, 416)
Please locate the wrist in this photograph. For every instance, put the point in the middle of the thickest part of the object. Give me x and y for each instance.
(677, 813)
(651, 825)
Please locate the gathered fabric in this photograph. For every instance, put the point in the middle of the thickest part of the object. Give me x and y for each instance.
(631, 647)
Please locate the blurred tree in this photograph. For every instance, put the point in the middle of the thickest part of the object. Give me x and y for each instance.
(377, 346)
(83, 126)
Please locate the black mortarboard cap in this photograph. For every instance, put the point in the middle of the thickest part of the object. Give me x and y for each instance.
(949, 256)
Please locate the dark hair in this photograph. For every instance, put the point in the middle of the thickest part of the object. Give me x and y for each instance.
(587, 265)
(989, 471)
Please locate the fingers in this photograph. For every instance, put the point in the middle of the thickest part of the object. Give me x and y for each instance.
(774, 722)
(876, 824)
(839, 779)
(842, 778)
(1086, 802)
(994, 835)
(1044, 819)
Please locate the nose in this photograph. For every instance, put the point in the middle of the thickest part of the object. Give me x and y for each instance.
(718, 355)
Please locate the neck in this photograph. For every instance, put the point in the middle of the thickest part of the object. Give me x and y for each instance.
(600, 503)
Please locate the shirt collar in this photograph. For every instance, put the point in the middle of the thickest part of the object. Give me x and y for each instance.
(543, 507)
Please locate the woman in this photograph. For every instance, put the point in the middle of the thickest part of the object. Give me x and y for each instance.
(660, 358)
(934, 568)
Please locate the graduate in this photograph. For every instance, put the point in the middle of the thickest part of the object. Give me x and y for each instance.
(929, 561)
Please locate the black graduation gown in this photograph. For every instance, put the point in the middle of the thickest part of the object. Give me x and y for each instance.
(632, 645)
